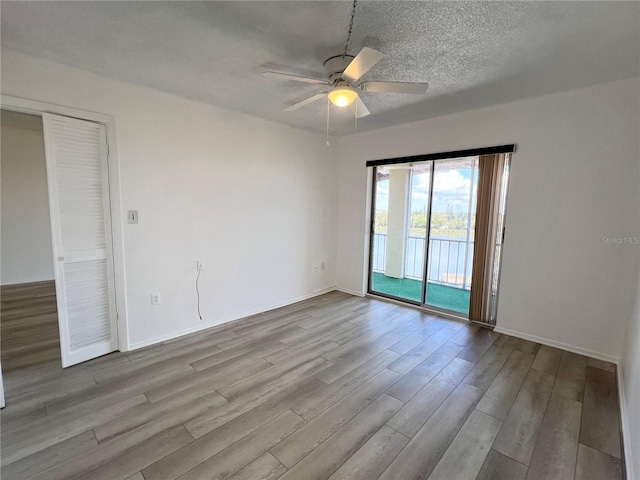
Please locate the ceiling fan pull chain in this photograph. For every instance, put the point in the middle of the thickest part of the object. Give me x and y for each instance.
(328, 144)
(353, 14)
(355, 133)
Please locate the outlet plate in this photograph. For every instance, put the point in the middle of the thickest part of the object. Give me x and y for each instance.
(322, 267)
(200, 266)
(155, 299)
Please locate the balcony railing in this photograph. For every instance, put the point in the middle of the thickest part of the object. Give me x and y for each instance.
(450, 260)
(379, 251)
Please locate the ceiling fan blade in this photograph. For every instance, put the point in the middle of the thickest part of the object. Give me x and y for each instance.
(360, 65)
(361, 108)
(297, 78)
(307, 101)
(395, 87)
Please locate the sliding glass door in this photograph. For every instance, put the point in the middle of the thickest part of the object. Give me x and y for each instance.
(450, 256)
(399, 230)
(423, 233)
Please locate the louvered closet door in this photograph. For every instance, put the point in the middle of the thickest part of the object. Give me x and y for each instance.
(81, 228)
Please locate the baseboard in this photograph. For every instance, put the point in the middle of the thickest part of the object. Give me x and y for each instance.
(26, 284)
(350, 292)
(554, 343)
(626, 430)
(205, 326)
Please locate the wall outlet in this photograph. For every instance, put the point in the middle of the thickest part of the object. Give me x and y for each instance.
(322, 267)
(200, 265)
(155, 299)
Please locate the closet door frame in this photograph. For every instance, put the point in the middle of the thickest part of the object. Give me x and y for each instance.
(34, 107)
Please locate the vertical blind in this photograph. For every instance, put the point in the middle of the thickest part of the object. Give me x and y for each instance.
(490, 174)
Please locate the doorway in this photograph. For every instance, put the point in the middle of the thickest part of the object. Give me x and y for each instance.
(81, 254)
(28, 312)
(423, 232)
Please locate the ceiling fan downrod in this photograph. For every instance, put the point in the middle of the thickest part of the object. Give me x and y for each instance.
(353, 14)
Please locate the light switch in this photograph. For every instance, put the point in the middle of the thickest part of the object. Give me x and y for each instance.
(132, 215)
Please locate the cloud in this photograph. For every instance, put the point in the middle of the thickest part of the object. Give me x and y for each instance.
(382, 195)
(450, 188)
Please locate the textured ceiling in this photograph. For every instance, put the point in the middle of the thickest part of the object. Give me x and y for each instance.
(473, 54)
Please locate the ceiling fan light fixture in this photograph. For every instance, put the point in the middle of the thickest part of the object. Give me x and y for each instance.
(342, 96)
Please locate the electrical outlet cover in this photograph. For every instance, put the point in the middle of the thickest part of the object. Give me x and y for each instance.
(155, 299)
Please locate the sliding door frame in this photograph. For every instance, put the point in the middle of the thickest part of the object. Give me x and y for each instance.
(502, 233)
(372, 239)
(427, 237)
(430, 158)
(423, 290)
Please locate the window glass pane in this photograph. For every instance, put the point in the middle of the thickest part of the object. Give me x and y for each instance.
(450, 259)
(400, 226)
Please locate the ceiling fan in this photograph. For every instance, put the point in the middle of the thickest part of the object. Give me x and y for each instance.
(343, 73)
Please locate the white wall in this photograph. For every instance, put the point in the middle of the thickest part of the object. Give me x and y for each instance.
(574, 180)
(25, 245)
(256, 200)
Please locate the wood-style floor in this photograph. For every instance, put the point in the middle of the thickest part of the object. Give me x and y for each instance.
(335, 387)
(29, 325)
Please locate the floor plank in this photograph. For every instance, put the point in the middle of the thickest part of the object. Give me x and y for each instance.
(425, 449)
(419, 409)
(489, 365)
(305, 440)
(417, 378)
(500, 467)
(466, 454)
(554, 455)
(547, 359)
(327, 395)
(422, 351)
(373, 457)
(331, 454)
(593, 463)
(220, 438)
(481, 342)
(600, 428)
(503, 390)
(138, 458)
(243, 452)
(55, 454)
(29, 326)
(520, 429)
(265, 467)
(571, 376)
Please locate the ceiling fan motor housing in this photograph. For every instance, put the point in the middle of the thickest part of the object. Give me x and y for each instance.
(335, 66)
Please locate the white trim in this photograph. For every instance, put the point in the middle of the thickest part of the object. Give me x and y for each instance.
(626, 430)
(36, 107)
(556, 344)
(350, 292)
(198, 328)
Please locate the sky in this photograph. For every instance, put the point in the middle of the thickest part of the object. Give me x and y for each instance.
(450, 188)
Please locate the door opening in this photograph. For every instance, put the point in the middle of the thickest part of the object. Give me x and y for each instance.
(28, 313)
(423, 233)
(64, 288)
